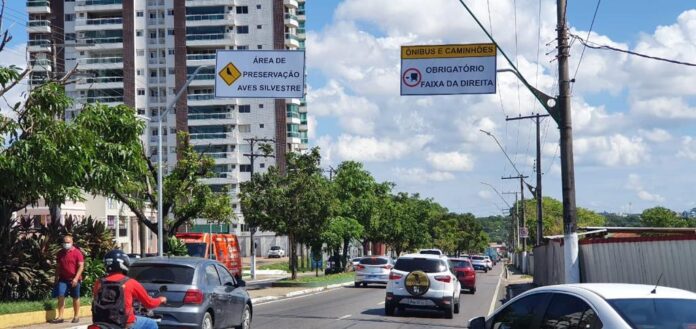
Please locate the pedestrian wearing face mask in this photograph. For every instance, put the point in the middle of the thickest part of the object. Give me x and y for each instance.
(70, 264)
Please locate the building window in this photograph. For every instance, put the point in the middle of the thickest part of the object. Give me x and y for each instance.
(172, 71)
(141, 92)
(244, 108)
(258, 6)
(260, 106)
(244, 128)
(139, 72)
(139, 33)
(262, 165)
(170, 32)
(259, 47)
(170, 12)
(70, 37)
(110, 203)
(242, 9)
(242, 47)
(111, 221)
(245, 168)
(258, 27)
(139, 13)
(69, 17)
(261, 126)
(171, 51)
(141, 52)
(243, 29)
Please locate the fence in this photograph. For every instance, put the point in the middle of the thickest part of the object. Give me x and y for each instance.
(549, 264)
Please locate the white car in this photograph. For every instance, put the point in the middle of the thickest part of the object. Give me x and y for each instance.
(276, 252)
(422, 281)
(433, 251)
(488, 261)
(373, 270)
(595, 306)
(479, 263)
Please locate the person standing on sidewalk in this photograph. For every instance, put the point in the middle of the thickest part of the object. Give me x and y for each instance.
(70, 264)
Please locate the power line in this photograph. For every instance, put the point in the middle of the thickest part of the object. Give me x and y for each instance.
(593, 45)
(582, 54)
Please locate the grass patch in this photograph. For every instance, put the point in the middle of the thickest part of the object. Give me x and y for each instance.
(31, 306)
(283, 266)
(527, 276)
(340, 277)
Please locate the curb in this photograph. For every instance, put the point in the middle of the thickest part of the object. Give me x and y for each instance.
(267, 299)
(39, 317)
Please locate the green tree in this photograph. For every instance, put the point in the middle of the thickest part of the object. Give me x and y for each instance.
(298, 204)
(661, 217)
(403, 225)
(339, 232)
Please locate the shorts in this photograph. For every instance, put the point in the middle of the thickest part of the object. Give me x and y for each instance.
(64, 288)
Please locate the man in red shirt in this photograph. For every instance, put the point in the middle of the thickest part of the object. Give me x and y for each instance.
(70, 264)
(117, 263)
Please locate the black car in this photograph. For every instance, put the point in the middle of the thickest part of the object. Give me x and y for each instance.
(201, 293)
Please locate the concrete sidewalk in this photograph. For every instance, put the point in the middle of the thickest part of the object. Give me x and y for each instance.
(516, 283)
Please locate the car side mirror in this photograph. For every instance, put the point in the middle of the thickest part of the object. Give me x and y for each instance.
(241, 283)
(229, 284)
(477, 323)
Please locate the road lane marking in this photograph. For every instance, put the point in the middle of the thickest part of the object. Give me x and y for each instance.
(344, 317)
(495, 294)
(380, 303)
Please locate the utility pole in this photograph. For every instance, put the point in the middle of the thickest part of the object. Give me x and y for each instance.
(523, 226)
(537, 190)
(253, 155)
(570, 246)
(331, 172)
(516, 225)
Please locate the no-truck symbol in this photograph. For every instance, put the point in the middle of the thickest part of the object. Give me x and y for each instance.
(411, 77)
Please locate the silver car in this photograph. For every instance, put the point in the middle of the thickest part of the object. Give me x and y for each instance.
(373, 270)
(201, 293)
(595, 306)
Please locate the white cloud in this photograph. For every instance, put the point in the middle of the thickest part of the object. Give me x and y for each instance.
(421, 176)
(312, 124)
(355, 114)
(485, 194)
(656, 135)
(671, 108)
(612, 151)
(14, 55)
(371, 149)
(450, 161)
(635, 184)
(688, 148)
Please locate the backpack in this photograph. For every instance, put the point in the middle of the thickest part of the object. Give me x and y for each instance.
(109, 303)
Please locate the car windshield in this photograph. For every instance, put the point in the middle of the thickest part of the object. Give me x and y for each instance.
(196, 249)
(275, 248)
(374, 261)
(161, 273)
(460, 264)
(657, 313)
(477, 258)
(427, 265)
(430, 252)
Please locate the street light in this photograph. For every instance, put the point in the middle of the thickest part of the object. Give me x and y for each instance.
(170, 106)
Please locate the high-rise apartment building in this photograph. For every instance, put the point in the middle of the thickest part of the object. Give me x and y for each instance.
(140, 52)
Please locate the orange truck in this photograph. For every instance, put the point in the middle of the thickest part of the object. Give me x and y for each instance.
(222, 247)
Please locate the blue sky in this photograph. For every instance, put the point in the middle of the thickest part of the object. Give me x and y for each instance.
(634, 119)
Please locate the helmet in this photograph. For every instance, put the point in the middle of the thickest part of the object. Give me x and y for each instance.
(116, 261)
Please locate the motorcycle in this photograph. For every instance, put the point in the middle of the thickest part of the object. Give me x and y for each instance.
(139, 310)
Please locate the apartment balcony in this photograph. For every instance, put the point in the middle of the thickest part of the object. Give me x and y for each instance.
(205, 79)
(155, 3)
(155, 21)
(108, 100)
(207, 119)
(225, 157)
(99, 43)
(100, 63)
(292, 41)
(38, 7)
(39, 26)
(303, 126)
(210, 20)
(37, 46)
(291, 3)
(157, 80)
(206, 99)
(41, 65)
(209, 3)
(301, 33)
(209, 40)
(222, 178)
(303, 108)
(97, 24)
(213, 138)
(98, 5)
(200, 59)
(291, 21)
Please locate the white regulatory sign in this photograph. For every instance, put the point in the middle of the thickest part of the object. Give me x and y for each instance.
(259, 73)
(448, 69)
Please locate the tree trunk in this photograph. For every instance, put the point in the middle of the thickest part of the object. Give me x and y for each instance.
(293, 259)
(302, 256)
(344, 260)
(142, 230)
(54, 211)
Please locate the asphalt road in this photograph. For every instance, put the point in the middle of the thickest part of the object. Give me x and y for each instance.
(359, 308)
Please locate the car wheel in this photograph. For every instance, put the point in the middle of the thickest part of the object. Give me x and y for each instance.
(456, 306)
(449, 311)
(364, 284)
(357, 284)
(401, 309)
(472, 291)
(246, 318)
(207, 322)
(485, 270)
(388, 309)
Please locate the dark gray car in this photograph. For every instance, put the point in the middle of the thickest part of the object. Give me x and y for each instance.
(201, 293)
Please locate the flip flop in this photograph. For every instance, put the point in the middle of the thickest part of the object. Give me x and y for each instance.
(75, 320)
(57, 321)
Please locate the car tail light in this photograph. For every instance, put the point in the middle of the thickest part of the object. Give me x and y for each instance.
(387, 267)
(93, 326)
(193, 296)
(394, 276)
(359, 268)
(443, 278)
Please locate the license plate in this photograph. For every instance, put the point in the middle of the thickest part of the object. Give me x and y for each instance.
(373, 277)
(417, 302)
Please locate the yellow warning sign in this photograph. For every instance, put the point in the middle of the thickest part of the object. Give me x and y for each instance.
(230, 74)
(449, 51)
